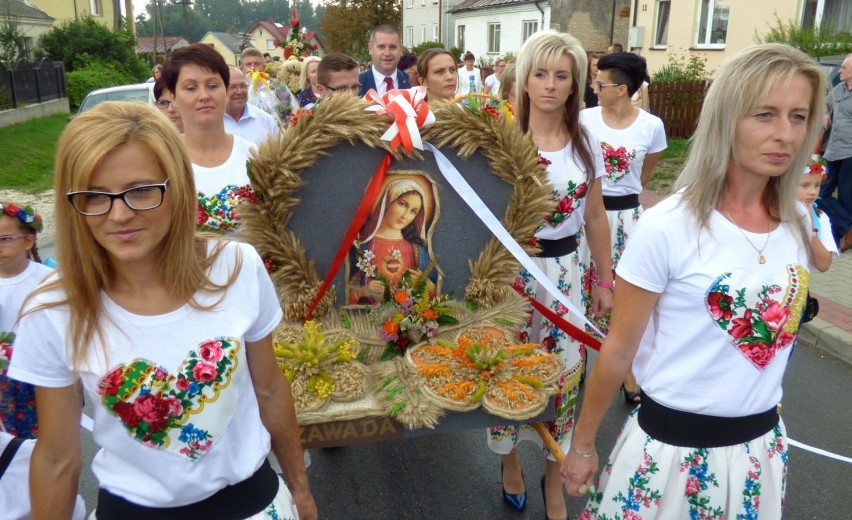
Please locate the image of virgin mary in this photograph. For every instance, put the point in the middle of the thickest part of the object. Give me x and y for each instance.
(393, 241)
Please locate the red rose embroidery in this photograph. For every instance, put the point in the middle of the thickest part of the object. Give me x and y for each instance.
(150, 408)
(211, 351)
(774, 315)
(110, 383)
(204, 371)
(759, 353)
(692, 486)
(580, 192)
(720, 305)
(126, 413)
(741, 327)
(182, 384)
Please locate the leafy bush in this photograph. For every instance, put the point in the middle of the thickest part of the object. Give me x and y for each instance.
(423, 47)
(683, 68)
(456, 52)
(509, 56)
(819, 41)
(98, 74)
(81, 42)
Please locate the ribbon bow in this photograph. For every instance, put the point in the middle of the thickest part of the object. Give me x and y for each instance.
(410, 112)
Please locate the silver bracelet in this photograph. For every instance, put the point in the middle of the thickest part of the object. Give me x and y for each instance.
(583, 454)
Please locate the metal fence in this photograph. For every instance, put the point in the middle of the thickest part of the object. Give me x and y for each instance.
(31, 83)
(678, 104)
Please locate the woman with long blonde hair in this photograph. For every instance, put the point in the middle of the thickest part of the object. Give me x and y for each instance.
(167, 332)
(710, 294)
(551, 78)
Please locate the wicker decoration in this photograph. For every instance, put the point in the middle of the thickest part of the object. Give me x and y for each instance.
(275, 172)
(483, 368)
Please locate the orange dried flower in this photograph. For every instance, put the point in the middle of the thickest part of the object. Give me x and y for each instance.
(400, 297)
(429, 314)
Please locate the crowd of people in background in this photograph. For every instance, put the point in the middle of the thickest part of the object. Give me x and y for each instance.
(134, 273)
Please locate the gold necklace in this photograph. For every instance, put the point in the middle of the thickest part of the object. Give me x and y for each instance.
(760, 258)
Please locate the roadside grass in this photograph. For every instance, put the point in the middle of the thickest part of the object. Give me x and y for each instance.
(28, 152)
(669, 167)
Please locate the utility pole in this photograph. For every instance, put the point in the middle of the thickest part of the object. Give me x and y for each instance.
(184, 4)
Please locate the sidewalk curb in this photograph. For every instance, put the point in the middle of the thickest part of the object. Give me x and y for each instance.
(828, 338)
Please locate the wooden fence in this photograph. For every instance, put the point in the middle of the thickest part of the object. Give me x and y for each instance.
(678, 104)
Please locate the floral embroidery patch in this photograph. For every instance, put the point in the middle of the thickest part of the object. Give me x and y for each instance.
(156, 407)
(616, 161)
(767, 324)
(6, 341)
(218, 212)
(568, 203)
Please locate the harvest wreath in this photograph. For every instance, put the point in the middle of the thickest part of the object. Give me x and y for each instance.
(326, 359)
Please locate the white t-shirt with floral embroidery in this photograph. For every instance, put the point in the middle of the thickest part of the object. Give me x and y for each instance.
(570, 186)
(175, 413)
(13, 292)
(721, 332)
(222, 188)
(624, 150)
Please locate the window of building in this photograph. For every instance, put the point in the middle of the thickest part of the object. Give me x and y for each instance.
(460, 37)
(95, 7)
(409, 4)
(435, 32)
(28, 47)
(834, 15)
(530, 27)
(422, 33)
(409, 36)
(422, 3)
(661, 35)
(494, 38)
(713, 23)
(270, 45)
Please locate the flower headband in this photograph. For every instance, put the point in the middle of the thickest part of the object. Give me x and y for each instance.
(816, 167)
(27, 215)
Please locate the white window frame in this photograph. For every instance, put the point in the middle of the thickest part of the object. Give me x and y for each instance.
(710, 6)
(270, 45)
(409, 4)
(434, 32)
(422, 32)
(819, 14)
(659, 11)
(409, 36)
(95, 8)
(526, 25)
(494, 38)
(422, 3)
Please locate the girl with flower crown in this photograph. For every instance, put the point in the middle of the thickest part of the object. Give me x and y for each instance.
(20, 272)
(823, 245)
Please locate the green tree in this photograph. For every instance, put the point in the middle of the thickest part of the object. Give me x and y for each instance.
(814, 41)
(12, 46)
(81, 42)
(346, 24)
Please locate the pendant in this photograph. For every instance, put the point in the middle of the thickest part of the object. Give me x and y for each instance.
(761, 259)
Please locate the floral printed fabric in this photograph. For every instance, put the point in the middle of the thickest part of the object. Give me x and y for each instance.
(163, 410)
(616, 161)
(220, 212)
(568, 273)
(644, 478)
(567, 200)
(761, 325)
(17, 399)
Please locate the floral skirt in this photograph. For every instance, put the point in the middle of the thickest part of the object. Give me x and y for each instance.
(17, 408)
(645, 478)
(621, 224)
(282, 507)
(569, 273)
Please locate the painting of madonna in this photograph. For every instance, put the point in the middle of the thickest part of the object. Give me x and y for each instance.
(395, 239)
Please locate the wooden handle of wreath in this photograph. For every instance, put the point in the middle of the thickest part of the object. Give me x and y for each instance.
(551, 444)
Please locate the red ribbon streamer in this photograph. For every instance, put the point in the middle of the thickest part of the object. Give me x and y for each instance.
(361, 214)
(572, 330)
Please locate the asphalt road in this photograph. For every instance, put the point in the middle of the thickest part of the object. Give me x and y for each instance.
(455, 476)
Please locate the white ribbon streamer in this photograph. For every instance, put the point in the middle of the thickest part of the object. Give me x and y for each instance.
(481, 210)
(818, 451)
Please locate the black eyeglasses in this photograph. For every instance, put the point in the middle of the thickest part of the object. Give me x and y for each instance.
(602, 85)
(347, 88)
(138, 198)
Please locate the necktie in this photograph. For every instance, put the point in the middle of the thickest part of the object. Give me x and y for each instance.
(388, 84)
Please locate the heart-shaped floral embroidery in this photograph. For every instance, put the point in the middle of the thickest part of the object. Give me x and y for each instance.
(218, 212)
(567, 204)
(770, 324)
(156, 406)
(616, 161)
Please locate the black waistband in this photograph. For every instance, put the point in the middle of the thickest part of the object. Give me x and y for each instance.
(558, 247)
(692, 430)
(622, 202)
(237, 501)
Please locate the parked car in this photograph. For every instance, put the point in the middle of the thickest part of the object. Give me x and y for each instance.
(143, 92)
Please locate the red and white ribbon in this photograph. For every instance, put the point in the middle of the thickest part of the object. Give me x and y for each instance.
(410, 112)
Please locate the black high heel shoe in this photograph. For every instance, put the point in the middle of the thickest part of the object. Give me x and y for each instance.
(518, 501)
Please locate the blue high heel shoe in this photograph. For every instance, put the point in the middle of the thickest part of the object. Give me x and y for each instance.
(518, 501)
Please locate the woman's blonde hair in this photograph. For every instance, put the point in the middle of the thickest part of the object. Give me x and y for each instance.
(84, 266)
(739, 86)
(303, 78)
(507, 82)
(545, 49)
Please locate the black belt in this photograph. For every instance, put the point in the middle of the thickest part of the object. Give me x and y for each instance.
(558, 247)
(237, 501)
(621, 203)
(693, 430)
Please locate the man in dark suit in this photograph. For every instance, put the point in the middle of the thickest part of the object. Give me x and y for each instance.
(385, 50)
